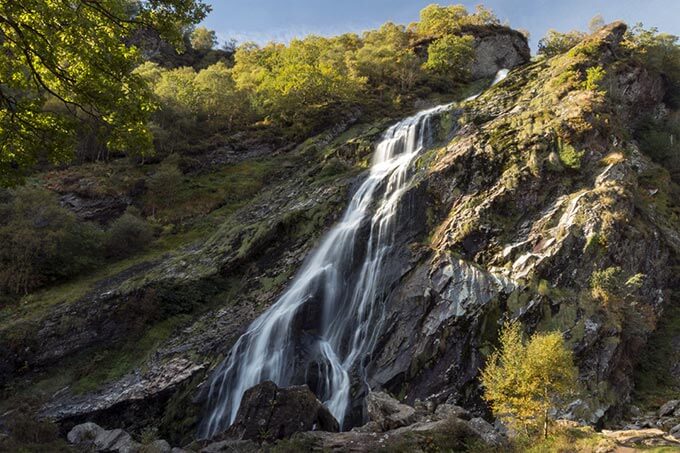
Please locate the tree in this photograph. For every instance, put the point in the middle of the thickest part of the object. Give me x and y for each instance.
(63, 61)
(555, 43)
(41, 241)
(387, 60)
(299, 84)
(596, 23)
(219, 100)
(203, 39)
(450, 55)
(436, 20)
(524, 381)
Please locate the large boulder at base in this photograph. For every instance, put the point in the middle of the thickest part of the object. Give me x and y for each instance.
(268, 412)
(387, 412)
(99, 439)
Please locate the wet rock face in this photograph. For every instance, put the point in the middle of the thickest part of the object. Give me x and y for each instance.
(268, 412)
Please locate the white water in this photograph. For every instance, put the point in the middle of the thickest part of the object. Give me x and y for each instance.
(345, 276)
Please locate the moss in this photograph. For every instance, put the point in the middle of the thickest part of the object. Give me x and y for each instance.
(569, 156)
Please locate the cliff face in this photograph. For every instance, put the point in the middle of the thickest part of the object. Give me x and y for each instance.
(534, 193)
(539, 195)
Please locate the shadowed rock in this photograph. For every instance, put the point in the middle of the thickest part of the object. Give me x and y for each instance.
(268, 412)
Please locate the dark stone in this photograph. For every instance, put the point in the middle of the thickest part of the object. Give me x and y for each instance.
(268, 412)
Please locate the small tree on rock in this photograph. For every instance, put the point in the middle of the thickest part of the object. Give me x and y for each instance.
(523, 381)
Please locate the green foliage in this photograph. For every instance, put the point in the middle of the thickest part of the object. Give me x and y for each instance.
(42, 242)
(128, 234)
(659, 139)
(555, 43)
(42, 99)
(524, 381)
(203, 39)
(450, 55)
(606, 283)
(437, 20)
(659, 52)
(163, 186)
(594, 76)
(386, 59)
(569, 156)
(300, 84)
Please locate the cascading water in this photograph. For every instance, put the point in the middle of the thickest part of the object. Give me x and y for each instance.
(344, 276)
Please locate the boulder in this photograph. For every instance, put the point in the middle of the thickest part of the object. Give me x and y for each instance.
(115, 440)
(486, 431)
(97, 438)
(268, 412)
(675, 431)
(387, 412)
(451, 410)
(231, 445)
(84, 433)
(669, 408)
(160, 446)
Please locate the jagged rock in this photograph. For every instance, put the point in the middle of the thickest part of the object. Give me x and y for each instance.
(387, 412)
(115, 440)
(101, 209)
(669, 408)
(231, 446)
(268, 412)
(486, 431)
(675, 431)
(93, 435)
(451, 410)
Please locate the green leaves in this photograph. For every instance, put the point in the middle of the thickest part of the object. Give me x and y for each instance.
(523, 381)
(62, 62)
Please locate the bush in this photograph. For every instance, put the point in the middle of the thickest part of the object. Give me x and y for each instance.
(525, 381)
(163, 185)
(555, 43)
(42, 242)
(128, 234)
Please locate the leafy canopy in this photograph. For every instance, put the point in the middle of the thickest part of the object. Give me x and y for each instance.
(523, 381)
(61, 62)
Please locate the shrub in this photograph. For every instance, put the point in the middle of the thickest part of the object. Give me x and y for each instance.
(163, 186)
(524, 381)
(555, 43)
(606, 283)
(128, 234)
(594, 76)
(42, 242)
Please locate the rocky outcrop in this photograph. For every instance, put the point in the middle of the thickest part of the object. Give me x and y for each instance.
(102, 209)
(495, 48)
(268, 412)
(98, 439)
(387, 413)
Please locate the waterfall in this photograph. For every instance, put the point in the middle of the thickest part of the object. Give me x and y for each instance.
(339, 290)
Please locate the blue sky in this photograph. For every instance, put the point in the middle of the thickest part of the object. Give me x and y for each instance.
(281, 20)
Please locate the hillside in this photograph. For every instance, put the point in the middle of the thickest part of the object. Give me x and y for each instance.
(547, 199)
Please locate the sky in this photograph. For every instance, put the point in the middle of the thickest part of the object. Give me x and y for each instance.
(281, 20)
